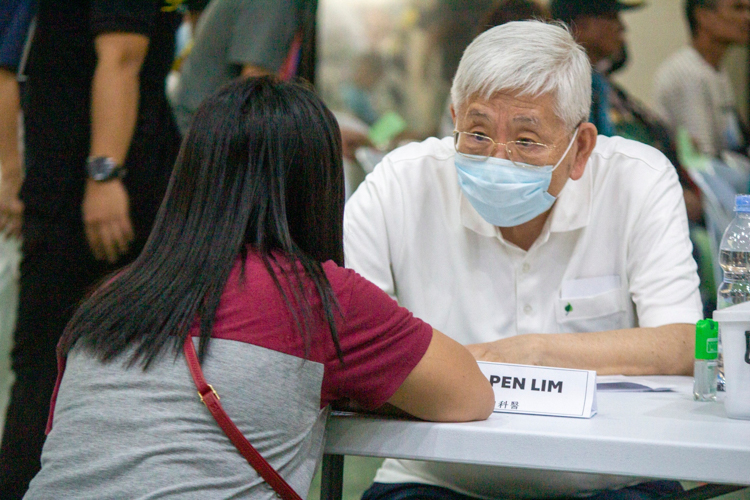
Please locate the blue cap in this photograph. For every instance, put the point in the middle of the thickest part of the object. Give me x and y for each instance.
(742, 203)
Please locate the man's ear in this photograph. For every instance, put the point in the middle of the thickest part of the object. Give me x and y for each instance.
(453, 115)
(585, 142)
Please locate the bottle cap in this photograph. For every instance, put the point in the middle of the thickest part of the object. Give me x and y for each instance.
(742, 203)
(706, 339)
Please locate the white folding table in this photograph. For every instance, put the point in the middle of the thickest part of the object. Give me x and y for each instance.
(664, 435)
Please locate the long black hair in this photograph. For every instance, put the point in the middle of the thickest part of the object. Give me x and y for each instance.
(260, 168)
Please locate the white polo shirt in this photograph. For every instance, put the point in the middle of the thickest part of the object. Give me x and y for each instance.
(614, 253)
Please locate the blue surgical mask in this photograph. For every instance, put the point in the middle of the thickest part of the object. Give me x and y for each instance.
(503, 193)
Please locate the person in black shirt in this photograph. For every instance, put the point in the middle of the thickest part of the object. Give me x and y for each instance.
(15, 20)
(100, 144)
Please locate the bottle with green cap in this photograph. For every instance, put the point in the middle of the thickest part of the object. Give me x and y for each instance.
(706, 366)
(734, 259)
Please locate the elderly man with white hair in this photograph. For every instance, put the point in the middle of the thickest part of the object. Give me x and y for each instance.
(531, 240)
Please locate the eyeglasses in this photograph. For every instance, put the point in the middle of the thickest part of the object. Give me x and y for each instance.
(523, 153)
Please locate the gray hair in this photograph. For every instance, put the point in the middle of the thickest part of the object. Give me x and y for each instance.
(529, 58)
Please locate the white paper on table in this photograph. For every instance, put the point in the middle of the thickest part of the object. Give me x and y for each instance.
(622, 383)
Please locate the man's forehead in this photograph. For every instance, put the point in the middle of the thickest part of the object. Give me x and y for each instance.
(514, 107)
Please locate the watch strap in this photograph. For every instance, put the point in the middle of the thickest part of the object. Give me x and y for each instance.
(104, 168)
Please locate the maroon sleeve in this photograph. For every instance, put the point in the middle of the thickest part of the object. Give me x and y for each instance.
(381, 344)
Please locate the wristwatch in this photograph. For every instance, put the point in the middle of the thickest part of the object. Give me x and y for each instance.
(103, 168)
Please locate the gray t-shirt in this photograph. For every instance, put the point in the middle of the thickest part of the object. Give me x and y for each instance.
(230, 34)
(139, 423)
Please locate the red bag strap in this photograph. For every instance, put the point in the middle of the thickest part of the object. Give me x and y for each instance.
(211, 400)
(288, 69)
(60, 371)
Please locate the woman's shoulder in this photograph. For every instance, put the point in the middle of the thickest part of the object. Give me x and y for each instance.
(345, 282)
(355, 294)
(339, 275)
(253, 275)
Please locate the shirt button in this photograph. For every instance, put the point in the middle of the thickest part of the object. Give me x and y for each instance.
(525, 267)
(527, 309)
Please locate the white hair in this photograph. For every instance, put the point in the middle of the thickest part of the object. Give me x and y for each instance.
(527, 58)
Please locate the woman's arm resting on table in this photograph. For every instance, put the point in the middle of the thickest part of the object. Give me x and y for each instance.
(662, 350)
(446, 385)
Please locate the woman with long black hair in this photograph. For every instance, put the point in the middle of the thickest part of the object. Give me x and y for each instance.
(246, 260)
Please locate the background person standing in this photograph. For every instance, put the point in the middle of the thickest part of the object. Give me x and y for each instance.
(693, 90)
(95, 109)
(15, 19)
(245, 38)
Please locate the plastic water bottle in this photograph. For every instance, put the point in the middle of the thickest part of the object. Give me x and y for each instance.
(734, 258)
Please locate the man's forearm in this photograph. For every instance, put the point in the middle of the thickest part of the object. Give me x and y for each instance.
(114, 110)
(115, 94)
(664, 350)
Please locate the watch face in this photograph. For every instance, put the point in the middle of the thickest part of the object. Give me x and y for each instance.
(102, 168)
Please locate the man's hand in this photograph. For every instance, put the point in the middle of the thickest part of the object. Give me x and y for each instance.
(519, 349)
(106, 208)
(11, 207)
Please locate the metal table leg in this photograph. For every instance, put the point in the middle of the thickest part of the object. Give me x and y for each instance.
(332, 477)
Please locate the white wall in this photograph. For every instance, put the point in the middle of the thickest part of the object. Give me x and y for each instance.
(653, 33)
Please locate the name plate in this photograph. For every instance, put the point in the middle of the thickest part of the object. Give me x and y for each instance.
(541, 390)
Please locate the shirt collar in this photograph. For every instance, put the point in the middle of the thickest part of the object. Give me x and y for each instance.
(572, 210)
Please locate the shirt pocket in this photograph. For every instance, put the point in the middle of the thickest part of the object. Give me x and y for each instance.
(591, 305)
